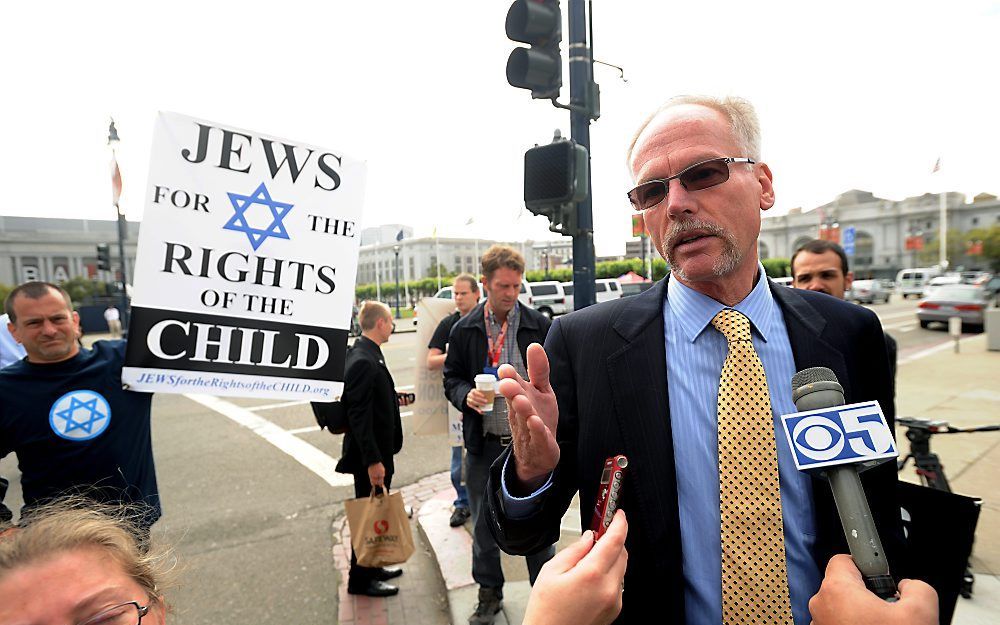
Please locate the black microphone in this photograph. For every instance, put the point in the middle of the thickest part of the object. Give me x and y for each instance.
(815, 389)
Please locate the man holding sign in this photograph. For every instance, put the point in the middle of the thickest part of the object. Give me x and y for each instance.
(466, 295)
(66, 415)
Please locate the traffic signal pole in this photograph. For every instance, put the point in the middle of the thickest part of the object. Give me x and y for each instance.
(557, 176)
(122, 234)
(582, 91)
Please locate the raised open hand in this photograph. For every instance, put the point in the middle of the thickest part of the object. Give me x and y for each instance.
(533, 416)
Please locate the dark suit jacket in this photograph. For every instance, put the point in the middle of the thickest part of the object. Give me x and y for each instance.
(370, 402)
(608, 370)
(467, 356)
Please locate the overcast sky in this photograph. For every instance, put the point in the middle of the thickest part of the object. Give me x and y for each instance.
(851, 94)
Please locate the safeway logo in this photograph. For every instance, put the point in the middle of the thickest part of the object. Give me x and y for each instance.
(381, 527)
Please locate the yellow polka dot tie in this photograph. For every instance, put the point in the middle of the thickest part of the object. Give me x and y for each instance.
(754, 576)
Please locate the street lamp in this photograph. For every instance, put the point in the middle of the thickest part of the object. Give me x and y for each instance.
(395, 249)
(113, 142)
(545, 257)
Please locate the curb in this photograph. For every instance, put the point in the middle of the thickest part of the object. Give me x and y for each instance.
(452, 549)
(362, 610)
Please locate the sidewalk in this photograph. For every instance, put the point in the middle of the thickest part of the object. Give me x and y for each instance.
(963, 389)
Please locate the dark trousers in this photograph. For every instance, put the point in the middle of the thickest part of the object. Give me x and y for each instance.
(485, 552)
(360, 576)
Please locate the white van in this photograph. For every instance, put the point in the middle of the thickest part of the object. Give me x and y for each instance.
(605, 289)
(914, 281)
(548, 298)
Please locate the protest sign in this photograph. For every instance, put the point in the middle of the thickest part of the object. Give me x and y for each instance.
(431, 412)
(248, 253)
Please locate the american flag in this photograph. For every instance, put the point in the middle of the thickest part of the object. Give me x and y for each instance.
(116, 180)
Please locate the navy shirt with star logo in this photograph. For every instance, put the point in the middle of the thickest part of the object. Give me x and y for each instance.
(76, 431)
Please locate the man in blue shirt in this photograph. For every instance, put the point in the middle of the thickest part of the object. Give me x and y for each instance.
(701, 187)
(10, 350)
(65, 414)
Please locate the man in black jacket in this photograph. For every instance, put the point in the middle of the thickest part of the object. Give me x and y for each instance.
(494, 333)
(376, 432)
(822, 266)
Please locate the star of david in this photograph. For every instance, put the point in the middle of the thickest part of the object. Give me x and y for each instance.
(239, 222)
(72, 424)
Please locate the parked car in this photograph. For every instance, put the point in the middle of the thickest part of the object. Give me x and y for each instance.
(568, 288)
(783, 281)
(913, 281)
(634, 288)
(605, 289)
(548, 298)
(992, 288)
(867, 292)
(935, 283)
(954, 300)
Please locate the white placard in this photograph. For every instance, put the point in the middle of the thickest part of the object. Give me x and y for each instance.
(433, 413)
(247, 258)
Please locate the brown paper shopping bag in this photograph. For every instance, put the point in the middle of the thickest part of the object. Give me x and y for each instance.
(380, 529)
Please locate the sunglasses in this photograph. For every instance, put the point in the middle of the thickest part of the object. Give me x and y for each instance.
(694, 178)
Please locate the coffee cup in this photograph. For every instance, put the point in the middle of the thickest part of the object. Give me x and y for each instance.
(486, 383)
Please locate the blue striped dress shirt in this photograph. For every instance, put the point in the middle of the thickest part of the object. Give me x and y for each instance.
(695, 353)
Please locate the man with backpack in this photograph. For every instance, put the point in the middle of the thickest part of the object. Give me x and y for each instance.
(375, 431)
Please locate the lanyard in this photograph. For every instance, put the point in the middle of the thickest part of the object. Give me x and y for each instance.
(495, 347)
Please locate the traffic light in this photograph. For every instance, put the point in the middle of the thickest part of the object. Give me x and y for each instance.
(103, 256)
(556, 177)
(538, 68)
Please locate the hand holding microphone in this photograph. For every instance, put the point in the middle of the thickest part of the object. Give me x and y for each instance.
(827, 436)
(844, 600)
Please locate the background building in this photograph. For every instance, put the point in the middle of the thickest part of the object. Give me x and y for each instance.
(890, 235)
(419, 258)
(55, 250)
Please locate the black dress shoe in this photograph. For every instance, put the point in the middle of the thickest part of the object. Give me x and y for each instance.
(385, 574)
(374, 588)
(459, 517)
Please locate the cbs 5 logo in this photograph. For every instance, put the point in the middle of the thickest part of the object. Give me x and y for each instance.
(845, 435)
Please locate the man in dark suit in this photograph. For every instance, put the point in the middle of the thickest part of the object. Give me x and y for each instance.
(701, 188)
(376, 431)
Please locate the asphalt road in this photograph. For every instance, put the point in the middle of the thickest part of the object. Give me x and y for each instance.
(251, 523)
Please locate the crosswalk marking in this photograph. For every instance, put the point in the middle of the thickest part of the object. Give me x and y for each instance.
(322, 465)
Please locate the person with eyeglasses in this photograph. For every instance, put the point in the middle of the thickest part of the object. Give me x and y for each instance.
(687, 380)
(77, 563)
